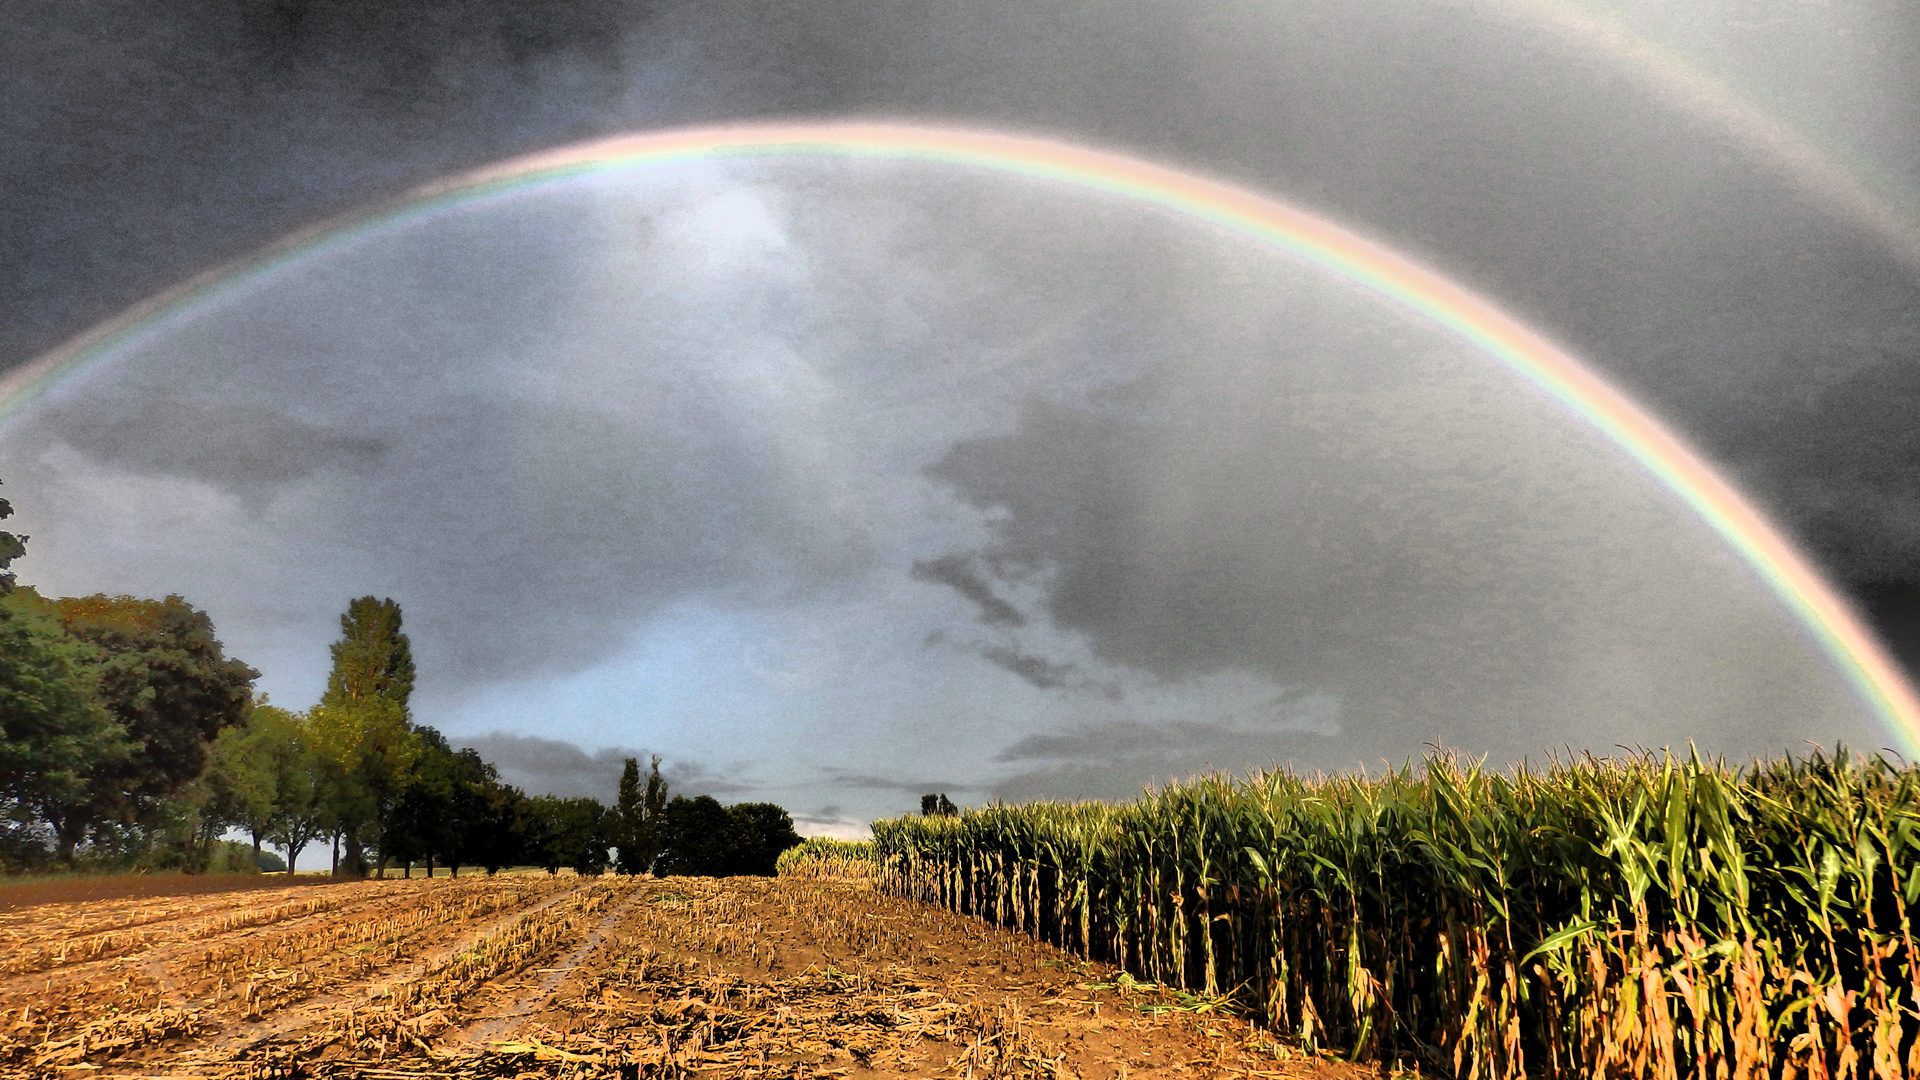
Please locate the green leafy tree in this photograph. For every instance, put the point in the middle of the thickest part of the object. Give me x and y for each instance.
(502, 826)
(242, 779)
(567, 832)
(367, 752)
(640, 815)
(698, 835)
(55, 734)
(761, 831)
(366, 737)
(705, 839)
(166, 680)
(626, 817)
(424, 824)
(298, 817)
(491, 816)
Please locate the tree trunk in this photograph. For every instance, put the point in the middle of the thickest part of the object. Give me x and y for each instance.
(336, 853)
(356, 863)
(409, 871)
(429, 864)
(293, 856)
(67, 831)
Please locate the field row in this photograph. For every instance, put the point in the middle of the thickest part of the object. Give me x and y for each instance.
(564, 976)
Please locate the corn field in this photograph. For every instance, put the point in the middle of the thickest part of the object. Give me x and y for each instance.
(1638, 917)
(821, 857)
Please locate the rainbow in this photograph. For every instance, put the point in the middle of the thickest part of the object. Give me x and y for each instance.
(1788, 573)
(1766, 140)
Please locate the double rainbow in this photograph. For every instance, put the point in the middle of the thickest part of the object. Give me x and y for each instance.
(1787, 572)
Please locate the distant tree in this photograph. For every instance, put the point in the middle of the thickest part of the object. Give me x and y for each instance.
(165, 678)
(761, 831)
(243, 776)
(704, 839)
(938, 806)
(503, 826)
(626, 818)
(640, 816)
(698, 838)
(298, 816)
(424, 824)
(472, 779)
(567, 832)
(362, 720)
(491, 818)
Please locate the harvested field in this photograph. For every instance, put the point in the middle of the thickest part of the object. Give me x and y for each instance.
(129, 887)
(537, 976)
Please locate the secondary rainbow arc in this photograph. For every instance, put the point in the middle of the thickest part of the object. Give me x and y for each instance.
(1783, 568)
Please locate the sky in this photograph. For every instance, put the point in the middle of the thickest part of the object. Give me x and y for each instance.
(836, 483)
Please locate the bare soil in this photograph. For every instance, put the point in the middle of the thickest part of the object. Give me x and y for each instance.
(26, 894)
(531, 976)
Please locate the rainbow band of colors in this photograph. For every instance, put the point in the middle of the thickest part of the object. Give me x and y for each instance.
(1788, 573)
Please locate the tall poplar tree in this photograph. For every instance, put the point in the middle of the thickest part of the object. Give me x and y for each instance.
(372, 659)
(363, 725)
(639, 812)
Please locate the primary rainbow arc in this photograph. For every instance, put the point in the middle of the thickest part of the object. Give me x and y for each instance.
(1787, 572)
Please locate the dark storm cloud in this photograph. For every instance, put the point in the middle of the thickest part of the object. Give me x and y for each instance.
(540, 766)
(144, 141)
(962, 574)
(1482, 572)
(251, 450)
(1113, 761)
(1036, 670)
(854, 780)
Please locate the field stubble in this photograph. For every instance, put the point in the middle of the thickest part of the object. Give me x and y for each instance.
(531, 976)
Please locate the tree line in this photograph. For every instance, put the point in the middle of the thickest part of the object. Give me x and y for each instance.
(129, 739)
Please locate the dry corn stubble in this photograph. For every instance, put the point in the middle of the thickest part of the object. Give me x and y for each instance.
(749, 978)
(246, 978)
(49, 939)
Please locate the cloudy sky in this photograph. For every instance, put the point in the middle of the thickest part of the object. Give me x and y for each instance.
(837, 483)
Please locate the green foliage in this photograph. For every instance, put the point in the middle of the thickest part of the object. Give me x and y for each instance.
(11, 547)
(1639, 917)
(639, 817)
(823, 856)
(704, 839)
(567, 832)
(160, 672)
(367, 745)
(372, 659)
(761, 833)
(423, 824)
(54, 731)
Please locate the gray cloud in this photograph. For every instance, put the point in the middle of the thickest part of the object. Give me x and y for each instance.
(542, 766)
(1412, 536)
(853, 780)
(1115, 761)
(514, 427)
(1037, 670)
(1550, 176)
(960, 573)
(252, 450)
